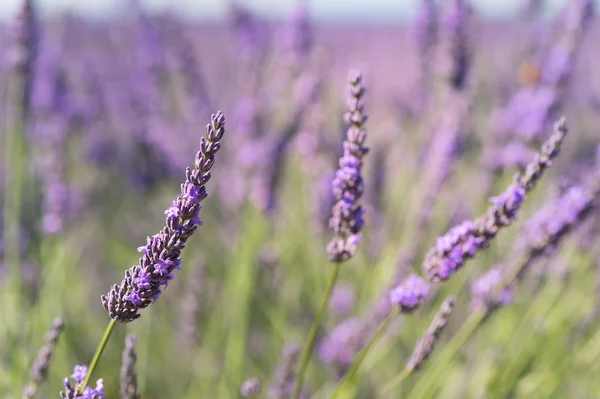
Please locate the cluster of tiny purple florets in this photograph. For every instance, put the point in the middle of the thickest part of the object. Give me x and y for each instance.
(143, 283)
(410, 294)
(347, 218)
(71, 392)
(462, 242)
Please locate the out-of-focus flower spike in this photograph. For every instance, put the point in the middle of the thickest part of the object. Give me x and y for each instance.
(39, 370)
(250, 388)
(128, 374)
(463, 242)
(431, 336)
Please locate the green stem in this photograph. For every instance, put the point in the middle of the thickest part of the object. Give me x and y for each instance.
(396, 381)
(312, 334)
(363, 353)
(99, 350)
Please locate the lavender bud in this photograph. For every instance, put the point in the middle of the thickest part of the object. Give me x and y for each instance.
(431, 336)
(462, 242)
(347, 213)
(128, 374)
(71, 392)
(410, 294)
(250, 388)
(144, 283)
(342, 299)
(39, 370)
(484, 289)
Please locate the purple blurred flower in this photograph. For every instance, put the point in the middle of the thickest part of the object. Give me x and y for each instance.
(143, 283)
(347, 219)
(482, 290)
(410, 294)
(79, 374)
(250, 387)
(342, 299)
(342, 343)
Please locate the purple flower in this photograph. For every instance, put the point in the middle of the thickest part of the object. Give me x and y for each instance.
(342, 299)
(462, 242)
(482, 290)
(342, 344)
(250, 387)
(79, 374)
(143, 283)
(347, 214)
(128, 374)
(410, 294)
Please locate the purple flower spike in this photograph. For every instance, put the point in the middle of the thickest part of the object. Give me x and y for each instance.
(410, 294)
(482, 291)
(463, 242)
(347, 219)
(79, 374)
(143, 283)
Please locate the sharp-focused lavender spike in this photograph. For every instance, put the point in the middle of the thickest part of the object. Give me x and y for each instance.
(128, 374)
(284, 377)
(347, 219)
(485, 287)
(462, 242)
(39, 370)
(431, 336)
(410, 294)
(455, 48)
(71, 392)
(250, 388)
(144, 283)
(25, 34)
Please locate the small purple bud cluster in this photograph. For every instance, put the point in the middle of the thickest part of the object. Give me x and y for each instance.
(347, 219)
(143, 283)
(410, 294)
(431, 336)
(342, 344)
(71, 392)
(462, 242)
(457, 54)
(483, 291)
(250, 387)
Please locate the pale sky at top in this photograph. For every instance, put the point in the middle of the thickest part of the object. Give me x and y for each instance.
(323, 10)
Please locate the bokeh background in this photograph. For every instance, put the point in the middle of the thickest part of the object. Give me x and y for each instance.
(103, 106)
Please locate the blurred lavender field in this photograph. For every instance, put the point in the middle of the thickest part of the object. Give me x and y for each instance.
(458, 256)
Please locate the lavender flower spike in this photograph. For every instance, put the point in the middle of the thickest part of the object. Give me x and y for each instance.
(250, 388)
(71, 392)
(463, 242)
(128, 374)
(483, 290)
(410, 294)
(347, 218)
(431, 336)
(143, 283)
(39, 370)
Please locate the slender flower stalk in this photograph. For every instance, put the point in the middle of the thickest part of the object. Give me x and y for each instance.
(39, 370)
(128, 374)
(347, 219)
(464, 241)
(144, 283)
